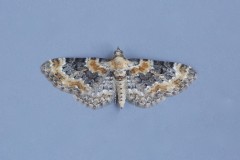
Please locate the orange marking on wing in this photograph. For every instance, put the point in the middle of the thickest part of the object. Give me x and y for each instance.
(174, 83)
(143, 67)
(63, 78)
(76, 84)
(95, 67)
(177, 82)
(59, 76)
(56, 63)
(159, 87)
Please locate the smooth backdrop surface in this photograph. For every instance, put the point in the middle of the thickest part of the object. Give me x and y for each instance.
(39, 122)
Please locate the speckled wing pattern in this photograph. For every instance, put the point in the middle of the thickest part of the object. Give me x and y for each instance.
(150, 85)
(88, 79)
(97, 81)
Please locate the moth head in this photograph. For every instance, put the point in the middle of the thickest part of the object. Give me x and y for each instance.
(118, 53)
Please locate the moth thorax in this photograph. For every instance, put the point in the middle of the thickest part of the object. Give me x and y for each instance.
(119, 63)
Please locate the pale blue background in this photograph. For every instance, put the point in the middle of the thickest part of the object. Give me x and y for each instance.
(38, 122)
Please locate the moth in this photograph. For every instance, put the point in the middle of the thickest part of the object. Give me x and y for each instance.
(99, 81)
